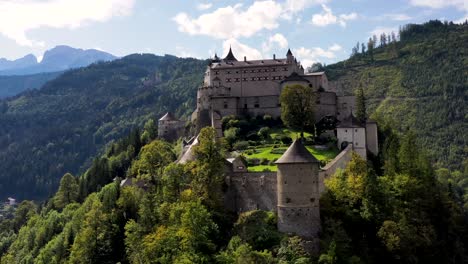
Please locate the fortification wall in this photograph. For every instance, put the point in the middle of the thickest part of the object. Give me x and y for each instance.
(339, 162)
(250, 191)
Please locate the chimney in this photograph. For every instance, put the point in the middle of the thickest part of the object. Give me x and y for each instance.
(245, 58)
(274, 56)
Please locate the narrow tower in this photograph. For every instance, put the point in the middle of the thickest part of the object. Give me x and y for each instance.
(298, 194)
(289, 57)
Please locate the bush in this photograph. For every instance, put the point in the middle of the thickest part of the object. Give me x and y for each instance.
(285, 139)
(264, 133)
(277, 151)
(253, 162)
(241, 145)
(264, 161)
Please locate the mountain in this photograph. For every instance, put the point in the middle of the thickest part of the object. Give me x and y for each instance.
(26, 61)
(57, 129)
(419, 83)
(15, 84)
(57, 59)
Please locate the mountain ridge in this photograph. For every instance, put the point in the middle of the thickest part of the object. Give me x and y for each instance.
(59, 58)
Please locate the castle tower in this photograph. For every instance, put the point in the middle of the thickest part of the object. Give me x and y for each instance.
(298, 194)
(289, 57)
(169, 127)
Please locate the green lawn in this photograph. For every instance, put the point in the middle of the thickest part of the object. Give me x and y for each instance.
(265, 153)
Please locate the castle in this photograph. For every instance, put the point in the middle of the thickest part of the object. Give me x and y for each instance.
(253, 88)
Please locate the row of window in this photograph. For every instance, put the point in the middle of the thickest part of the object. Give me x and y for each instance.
(254, 70)
(254, 79)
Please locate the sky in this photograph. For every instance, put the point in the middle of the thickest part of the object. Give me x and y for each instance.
(315, 30)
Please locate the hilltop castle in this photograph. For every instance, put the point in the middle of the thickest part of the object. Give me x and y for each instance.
(253, 88)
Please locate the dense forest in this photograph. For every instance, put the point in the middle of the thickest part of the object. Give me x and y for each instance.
(59, 128)
(419, 80)
(13, 85)
(390, 210)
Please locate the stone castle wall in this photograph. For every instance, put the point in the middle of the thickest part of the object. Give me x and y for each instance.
(339, 162)
(248, 191)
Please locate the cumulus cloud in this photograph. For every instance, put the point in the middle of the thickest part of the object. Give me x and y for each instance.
(232, 21)
(204, 6)
(309, 56)
(240, 50)
(328, 18)
(291, 7)
(276, 40)
(18, 17)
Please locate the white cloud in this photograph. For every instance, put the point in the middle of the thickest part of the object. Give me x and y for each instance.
(240, 50)
(18, 17)
(204, 6)
(291, 7)
(309, 56)
(379, 30)
(397, 17)
(436, 4)
(232, 21)
(328, 18)
(275, 40)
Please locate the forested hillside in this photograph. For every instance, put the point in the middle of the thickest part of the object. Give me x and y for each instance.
(421, 82)
(59, 128)
(13, 85)
(173, 213)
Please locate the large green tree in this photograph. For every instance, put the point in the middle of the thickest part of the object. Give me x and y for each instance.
(298, 107)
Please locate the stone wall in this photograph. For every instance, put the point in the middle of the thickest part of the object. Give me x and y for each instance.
(251, 191)
(339, 162)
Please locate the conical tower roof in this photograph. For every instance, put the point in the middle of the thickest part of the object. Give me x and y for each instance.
(289, 53)
(296, 153)
(230, 56)
(168, 117)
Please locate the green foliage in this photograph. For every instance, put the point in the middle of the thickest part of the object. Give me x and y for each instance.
(67, 193)
(59, 128)
(298, 107)
(361, 114)
(258, 228)
(422, 86)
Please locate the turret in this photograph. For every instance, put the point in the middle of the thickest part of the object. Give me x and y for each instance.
(289, 57)
(298, 194)
(230, 56)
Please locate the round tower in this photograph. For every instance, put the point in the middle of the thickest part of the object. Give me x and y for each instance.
(298, 193)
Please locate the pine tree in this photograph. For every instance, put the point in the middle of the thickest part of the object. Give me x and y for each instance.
(361, 105)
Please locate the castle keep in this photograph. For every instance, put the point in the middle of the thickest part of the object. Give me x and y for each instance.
(253, 88)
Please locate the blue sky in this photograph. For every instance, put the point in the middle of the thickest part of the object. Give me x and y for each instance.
(315, 30)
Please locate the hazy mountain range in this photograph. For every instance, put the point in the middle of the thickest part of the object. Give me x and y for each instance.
(57, 59)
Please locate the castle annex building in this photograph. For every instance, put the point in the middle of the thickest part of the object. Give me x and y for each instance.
(253, 87)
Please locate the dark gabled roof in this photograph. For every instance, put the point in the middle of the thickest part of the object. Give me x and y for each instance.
(289, 52)
(296, 153)
(350, 121)
(216, 58)
(295, 77)
(168, 117)
(230, 56)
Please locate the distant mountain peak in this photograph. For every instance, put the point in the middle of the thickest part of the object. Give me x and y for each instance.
(59, 58)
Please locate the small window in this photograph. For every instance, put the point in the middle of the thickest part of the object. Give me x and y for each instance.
(228, 72)
(256, 105)
(225, 105)
(244, 79)
(288, 200)
(245, 106)
(355, 130)
(346, 130)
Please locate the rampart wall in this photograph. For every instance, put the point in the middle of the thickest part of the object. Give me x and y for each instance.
(339, 162)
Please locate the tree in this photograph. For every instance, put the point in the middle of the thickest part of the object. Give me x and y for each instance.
(208, 173)
(298, 107)
(370, 49)
(363, 48)
(68, 191)
(153, 158)
(361, 105)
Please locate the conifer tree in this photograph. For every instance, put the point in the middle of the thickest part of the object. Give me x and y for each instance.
(361, 105)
